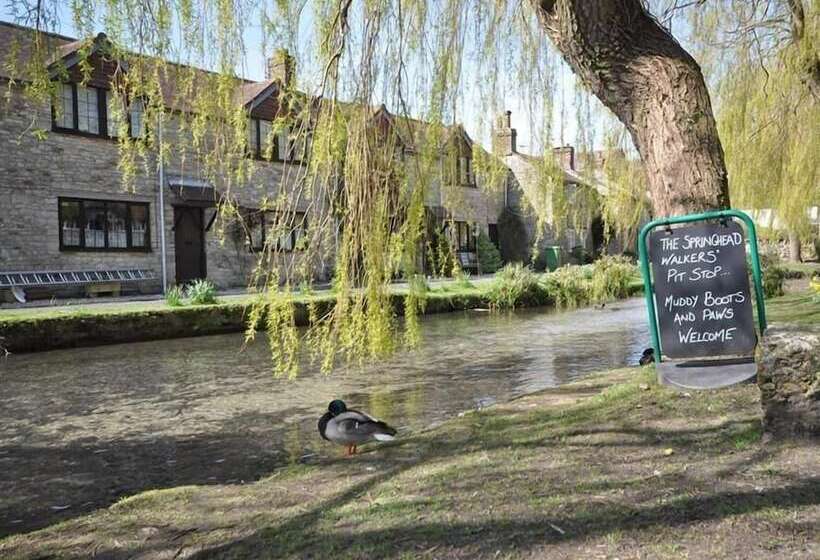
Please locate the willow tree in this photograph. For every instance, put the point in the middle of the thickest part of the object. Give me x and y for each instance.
(764, 63)
(368, 174)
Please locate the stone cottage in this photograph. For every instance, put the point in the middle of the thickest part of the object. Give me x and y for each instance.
(63, 206)
(526, 172)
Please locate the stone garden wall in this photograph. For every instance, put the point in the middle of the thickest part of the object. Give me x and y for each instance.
(789, 381)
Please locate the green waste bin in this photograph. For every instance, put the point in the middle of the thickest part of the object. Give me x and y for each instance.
(553, 257)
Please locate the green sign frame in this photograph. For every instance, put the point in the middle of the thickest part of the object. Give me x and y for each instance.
(648, 288)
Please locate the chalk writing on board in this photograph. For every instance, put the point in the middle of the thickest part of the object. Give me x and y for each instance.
(702, 292)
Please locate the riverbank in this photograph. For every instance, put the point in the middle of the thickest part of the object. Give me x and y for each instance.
(612, 466)
(50, 328)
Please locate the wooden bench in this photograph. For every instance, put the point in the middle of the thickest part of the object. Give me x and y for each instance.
(95, 281)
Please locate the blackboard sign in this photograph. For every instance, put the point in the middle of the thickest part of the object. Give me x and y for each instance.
(702, 297)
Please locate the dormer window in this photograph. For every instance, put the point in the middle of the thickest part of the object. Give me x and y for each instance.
(87, 110)
(64, 113)
(262, 144)
(282, 146)
(465, 171)
(80, 109)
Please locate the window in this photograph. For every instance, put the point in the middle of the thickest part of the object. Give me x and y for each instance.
(70, 220)
(88, 112)
(135, 117)
(94, 224)
(465, 171)
(290, 230)
(299, 143)
(91, 111)
(261, 142)
(139, 225)
(282, 145)
(114, 117)
(465, 240)
(100, 225)
(64, 111)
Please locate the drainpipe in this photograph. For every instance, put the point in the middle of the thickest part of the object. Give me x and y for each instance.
(162, 207)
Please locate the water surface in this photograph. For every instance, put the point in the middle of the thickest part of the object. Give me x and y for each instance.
(82, 428)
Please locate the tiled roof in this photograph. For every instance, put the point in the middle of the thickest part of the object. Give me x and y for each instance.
(17, 47)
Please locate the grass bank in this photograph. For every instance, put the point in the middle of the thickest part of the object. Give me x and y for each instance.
(48, 328)
(614, 466)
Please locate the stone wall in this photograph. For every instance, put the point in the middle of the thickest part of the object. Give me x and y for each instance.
(789, 381)
(34, 173)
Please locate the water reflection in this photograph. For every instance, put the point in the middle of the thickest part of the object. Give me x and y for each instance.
(81, 428)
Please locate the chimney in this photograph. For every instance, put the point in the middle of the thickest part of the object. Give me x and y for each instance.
(504, 135)
(565, 155)
(282, 67)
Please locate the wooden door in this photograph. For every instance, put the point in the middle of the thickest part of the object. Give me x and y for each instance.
(189, 243)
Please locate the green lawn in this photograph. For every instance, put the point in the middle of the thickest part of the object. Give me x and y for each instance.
(800, 308)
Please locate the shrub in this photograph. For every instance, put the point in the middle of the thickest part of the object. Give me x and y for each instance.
(513, 238)
(774, 275)
(516, 285)
(441, 260)
(174, 295)
(611, 277)
(201, 292)
(462, 279)
(570, 286)
(489, 257)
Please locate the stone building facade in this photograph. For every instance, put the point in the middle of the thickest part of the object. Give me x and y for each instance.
(63, 205)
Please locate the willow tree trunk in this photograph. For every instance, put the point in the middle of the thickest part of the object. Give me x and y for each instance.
(641, 73)
(795, 248)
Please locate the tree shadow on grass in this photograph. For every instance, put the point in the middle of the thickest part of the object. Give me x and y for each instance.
(304, 536)
(301, 536)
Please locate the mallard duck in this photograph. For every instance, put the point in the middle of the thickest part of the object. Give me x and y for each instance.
(352, 427)
(647, 357)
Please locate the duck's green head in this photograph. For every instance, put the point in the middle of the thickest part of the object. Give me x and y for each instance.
(336, 407)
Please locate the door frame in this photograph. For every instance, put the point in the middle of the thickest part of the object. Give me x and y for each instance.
(203, 262)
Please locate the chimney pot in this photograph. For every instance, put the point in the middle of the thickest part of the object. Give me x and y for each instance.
(565, 156)
(282, 67)
(504, 135)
